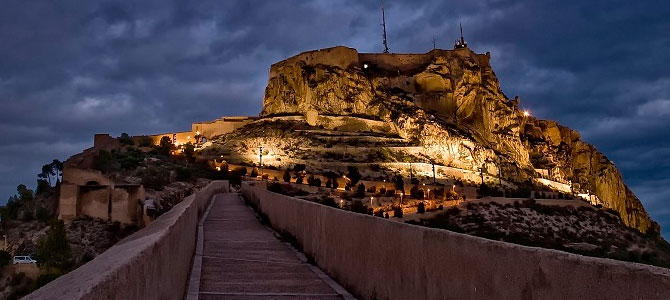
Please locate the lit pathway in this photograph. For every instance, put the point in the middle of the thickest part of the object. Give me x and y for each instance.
(242, 259)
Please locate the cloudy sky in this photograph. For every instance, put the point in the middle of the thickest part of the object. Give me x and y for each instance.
(69, 69)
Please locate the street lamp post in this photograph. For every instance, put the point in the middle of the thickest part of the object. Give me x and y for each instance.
(260, 160)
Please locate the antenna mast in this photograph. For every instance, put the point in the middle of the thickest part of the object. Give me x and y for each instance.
(433, 42)
(386, 46)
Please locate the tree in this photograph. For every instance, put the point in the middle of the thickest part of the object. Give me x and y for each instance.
(25, 195)
(43, 187)
(254, 173)
(47, 172)
(165, 145)
(399, 183)
(189, 150)
(287, 176)
(353, 175)
(57, 167)
(125, 139)
(53, 250)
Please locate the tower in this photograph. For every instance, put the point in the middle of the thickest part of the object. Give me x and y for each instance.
(461, 43)
(386, 46)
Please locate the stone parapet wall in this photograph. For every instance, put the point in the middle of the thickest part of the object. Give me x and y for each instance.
(382, 259)
(152, 263)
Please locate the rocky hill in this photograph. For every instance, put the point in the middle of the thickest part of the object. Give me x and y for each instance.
(449, 103)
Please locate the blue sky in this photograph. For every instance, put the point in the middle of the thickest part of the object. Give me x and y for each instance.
(69, 69)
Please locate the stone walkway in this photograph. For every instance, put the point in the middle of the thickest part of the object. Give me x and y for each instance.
(243, 259)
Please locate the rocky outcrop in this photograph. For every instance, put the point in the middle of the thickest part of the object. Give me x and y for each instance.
(450, 102)
(560, 149)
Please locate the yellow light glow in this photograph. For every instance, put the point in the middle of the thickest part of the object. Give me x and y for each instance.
(526, 113)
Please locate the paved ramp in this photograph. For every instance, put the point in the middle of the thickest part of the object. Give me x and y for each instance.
(243, 259)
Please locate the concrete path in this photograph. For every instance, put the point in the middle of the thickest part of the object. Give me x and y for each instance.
(242, 259)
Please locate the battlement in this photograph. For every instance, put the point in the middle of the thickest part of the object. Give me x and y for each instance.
(345, 57)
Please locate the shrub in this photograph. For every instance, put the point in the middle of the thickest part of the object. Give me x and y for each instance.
(358, 207)
(399, 183)
(414, 191)
(42, 214)
(43, 279)
(328, 201)
(382, 190)
(372, 189)
(53, 249)
(421, 208)
(298, 180)
(313, 181)
(103, 162)
(5, 258)
(125, 139)
(287, 176)
(328, 183)
(397, 212)
(254, 173)
(145, 141)
(183, 174)
(360, 192)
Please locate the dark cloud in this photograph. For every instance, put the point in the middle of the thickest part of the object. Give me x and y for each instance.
(70, 69)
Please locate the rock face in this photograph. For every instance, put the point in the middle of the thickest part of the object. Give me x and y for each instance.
(449, 102)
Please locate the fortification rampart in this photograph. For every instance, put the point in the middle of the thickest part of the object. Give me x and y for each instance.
(152, 263)
(382, 259)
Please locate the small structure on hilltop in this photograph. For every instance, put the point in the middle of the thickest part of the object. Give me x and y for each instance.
(461, 43)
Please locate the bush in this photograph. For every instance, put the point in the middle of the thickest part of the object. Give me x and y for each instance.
(42, 214)
(153, 178)
(397, 212)
(103, 162)
(329, 184)
(382, 190)
(53, 249)
(372, 189)
(287, 176)
(5, 258)
(183, 174)
(298, 180)
(360, 192)
(328, 201)
(43, 279)
(145, 141)
(358, 207)
(414, 191)
(421, 208)
(313, 181)
(254, 173)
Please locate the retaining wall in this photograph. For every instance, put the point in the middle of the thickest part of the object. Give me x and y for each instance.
(152, 263)
(376, 258)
